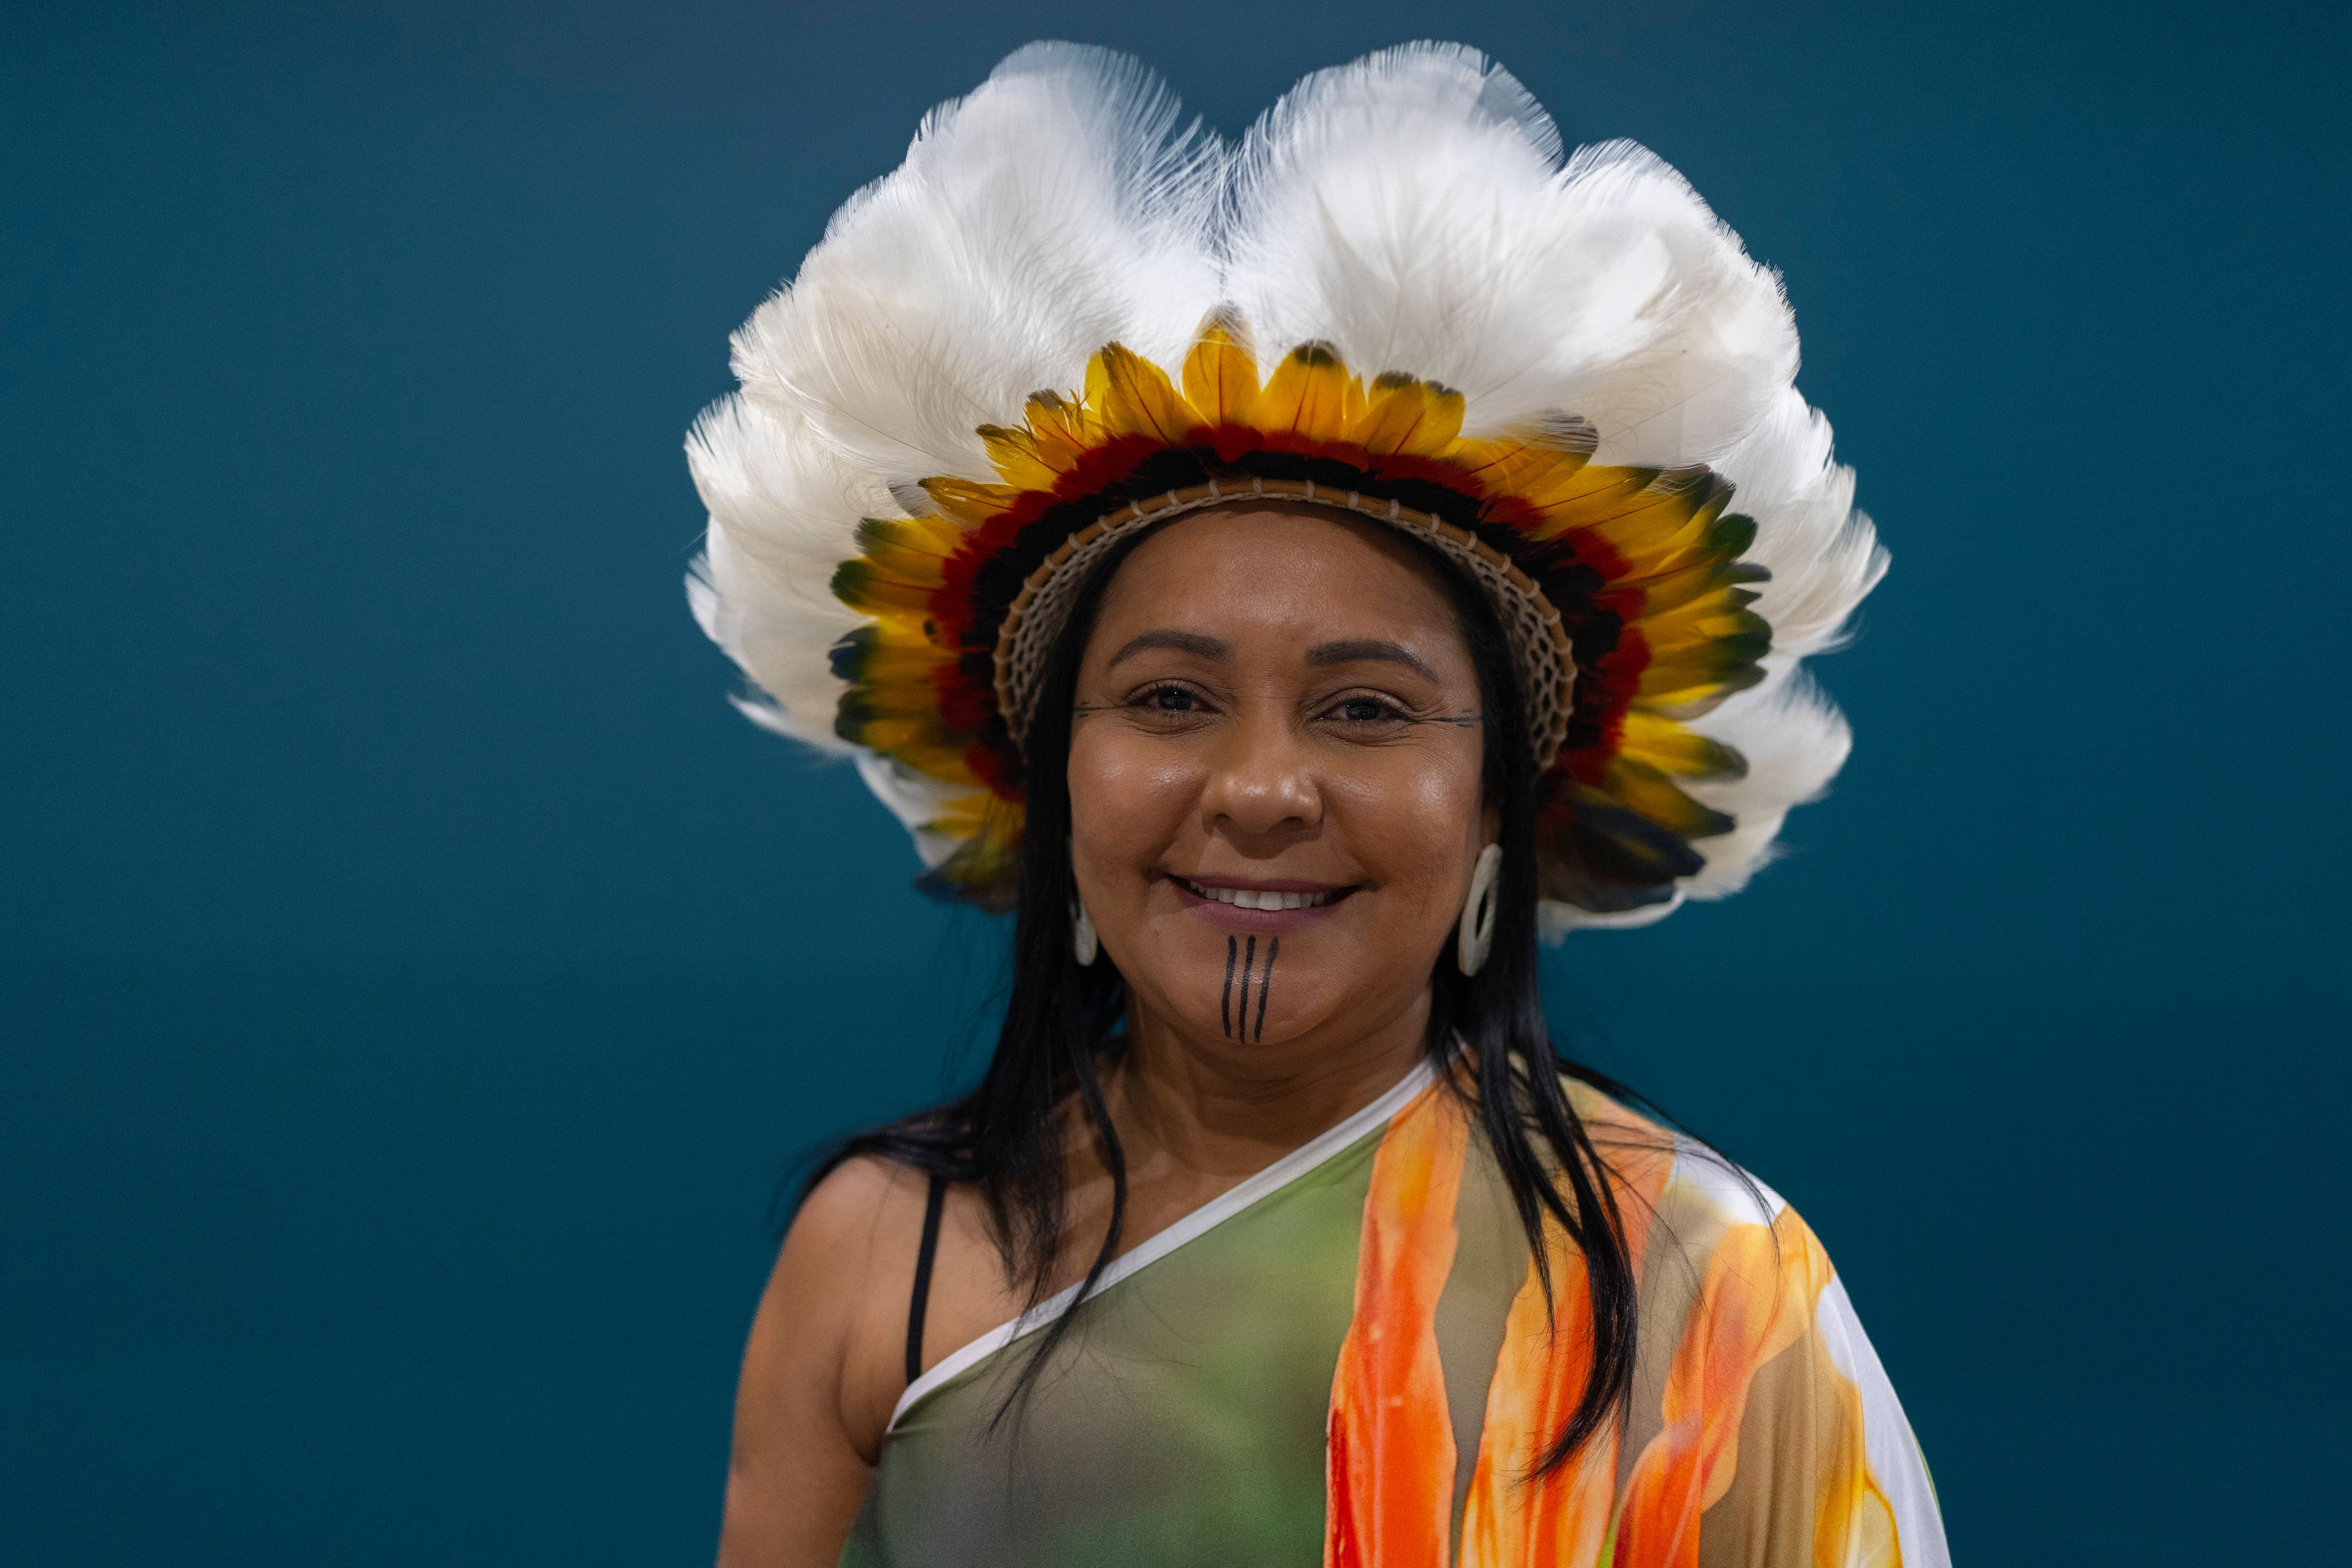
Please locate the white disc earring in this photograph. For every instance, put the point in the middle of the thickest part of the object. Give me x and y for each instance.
(1477, 933)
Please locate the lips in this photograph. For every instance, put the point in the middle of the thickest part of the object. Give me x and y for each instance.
(1262, 897)
(1270, 908)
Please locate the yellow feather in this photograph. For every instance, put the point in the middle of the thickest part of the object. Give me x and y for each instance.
(1020, 461)
(898, 677)
(1221, 373)
(1666, 745)
(937, 537)
(967, 815)
(969, 504)
(1707, 619)
(1311, 394)
(1417, 417)
(1679, 692)
(1138, 399)
(1534, 471)
(1646, 790)
(1060, 426)
(1575, 495)
(1647, 526)
(1680, 585)
(887, 561)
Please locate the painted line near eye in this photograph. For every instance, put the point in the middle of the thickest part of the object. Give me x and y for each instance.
(1459, 721)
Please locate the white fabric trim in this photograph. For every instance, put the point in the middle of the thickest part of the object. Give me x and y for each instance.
(1201, 1220)
(1893, 1453)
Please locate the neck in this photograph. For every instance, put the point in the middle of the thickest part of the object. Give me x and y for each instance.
(1222, 1110)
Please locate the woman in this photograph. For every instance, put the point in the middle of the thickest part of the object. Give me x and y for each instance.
(1370, 600)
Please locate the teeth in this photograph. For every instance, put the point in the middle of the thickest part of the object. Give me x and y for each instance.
(1250, 899)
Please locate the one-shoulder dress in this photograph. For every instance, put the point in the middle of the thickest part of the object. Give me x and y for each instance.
(1350, 1360)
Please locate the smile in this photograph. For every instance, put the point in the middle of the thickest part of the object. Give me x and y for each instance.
(1293, 898)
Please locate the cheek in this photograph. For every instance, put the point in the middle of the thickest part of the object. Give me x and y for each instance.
(1414, 829)
(1126, 802)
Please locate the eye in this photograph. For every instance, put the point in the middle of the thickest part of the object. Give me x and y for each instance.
(1169, 700)
(1363, 709)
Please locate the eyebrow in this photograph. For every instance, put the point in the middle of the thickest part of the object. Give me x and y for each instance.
(1178, 642)
(1358, 650)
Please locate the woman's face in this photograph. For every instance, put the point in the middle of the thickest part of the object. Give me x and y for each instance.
(1274, 775)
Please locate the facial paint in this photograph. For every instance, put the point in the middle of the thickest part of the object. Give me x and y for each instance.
(1244, 958)
(1265, 984)
(1226, 1007)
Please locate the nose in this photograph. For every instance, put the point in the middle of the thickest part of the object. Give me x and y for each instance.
(1260, 786)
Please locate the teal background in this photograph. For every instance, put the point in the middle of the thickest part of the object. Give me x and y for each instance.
(415, 978)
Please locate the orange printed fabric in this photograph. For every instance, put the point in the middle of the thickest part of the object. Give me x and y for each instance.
(1745, 1447)
(1755, 1299)
(1546, 1359)
(1389, 1458)
(1763, 1432)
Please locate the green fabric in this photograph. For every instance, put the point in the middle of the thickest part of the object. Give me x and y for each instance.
(1182, 1423)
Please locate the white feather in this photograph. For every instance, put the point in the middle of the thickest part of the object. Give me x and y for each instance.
(1795, 743)
(1059, 207)
(1412, 209)
(1823, 554)
(1555, 919)
(784, 514)
(915, 799)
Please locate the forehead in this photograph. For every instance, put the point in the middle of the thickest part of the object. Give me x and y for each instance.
(1307, 572)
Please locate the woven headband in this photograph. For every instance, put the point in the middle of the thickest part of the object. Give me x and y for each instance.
(1540, 645)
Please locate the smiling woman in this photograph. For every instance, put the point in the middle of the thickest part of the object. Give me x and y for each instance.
(1286, 711)
(1269, 743)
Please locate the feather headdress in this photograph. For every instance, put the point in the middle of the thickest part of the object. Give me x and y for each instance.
(1069, 313)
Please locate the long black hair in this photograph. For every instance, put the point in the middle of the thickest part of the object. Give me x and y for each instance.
(1061, 1028)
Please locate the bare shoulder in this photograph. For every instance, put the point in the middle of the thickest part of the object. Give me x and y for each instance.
(818, 1382)
(858, 1203)
(841, 1282)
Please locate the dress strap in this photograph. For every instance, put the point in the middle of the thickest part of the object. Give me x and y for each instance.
(933, 1204)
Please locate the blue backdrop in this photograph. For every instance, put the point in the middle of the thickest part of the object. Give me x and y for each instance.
(416, 977)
